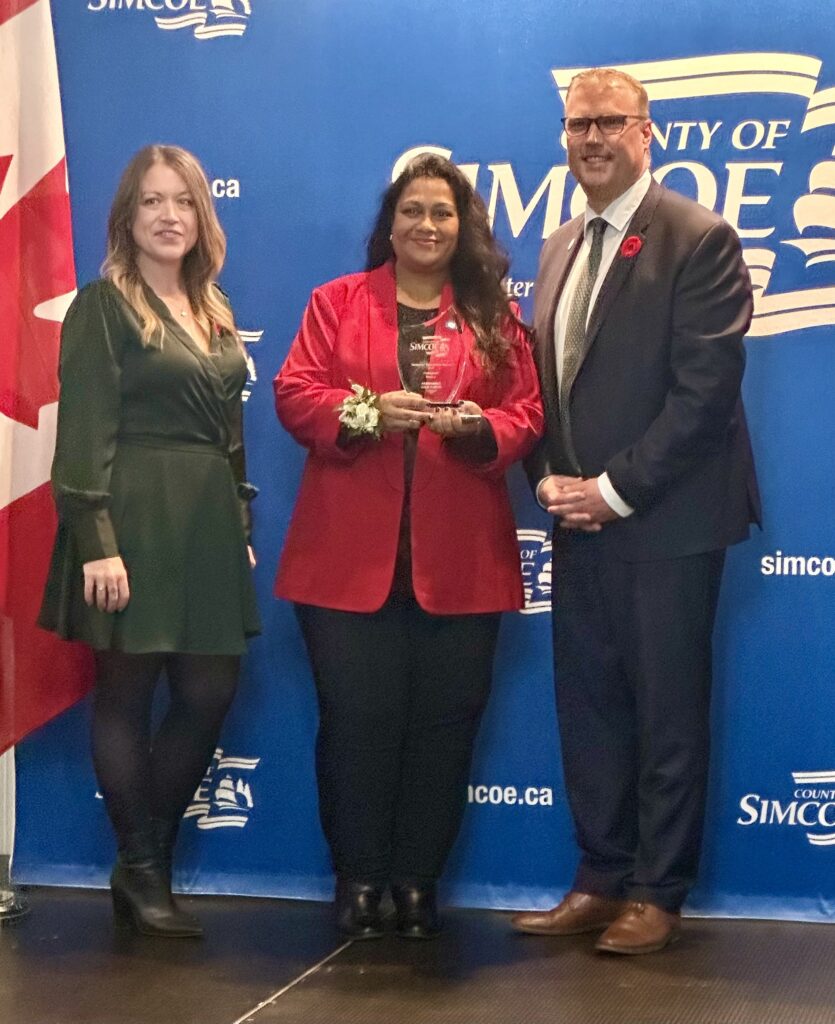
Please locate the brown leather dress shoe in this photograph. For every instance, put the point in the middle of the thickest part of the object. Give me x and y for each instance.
(579, 912)
(641, 928)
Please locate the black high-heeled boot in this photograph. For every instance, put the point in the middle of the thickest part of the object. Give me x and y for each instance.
(141, 890)
(164, 834)
(416, 912)
(358, 909)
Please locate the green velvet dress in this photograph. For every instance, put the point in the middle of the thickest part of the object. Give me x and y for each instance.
(149, 465)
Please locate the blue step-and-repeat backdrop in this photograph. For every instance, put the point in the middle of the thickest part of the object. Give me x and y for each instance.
(301, 111)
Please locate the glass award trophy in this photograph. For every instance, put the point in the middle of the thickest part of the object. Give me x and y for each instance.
(432, 357)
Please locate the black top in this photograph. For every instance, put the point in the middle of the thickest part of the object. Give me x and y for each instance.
(410, 323)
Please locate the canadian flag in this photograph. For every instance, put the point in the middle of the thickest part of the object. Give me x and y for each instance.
(40, 675)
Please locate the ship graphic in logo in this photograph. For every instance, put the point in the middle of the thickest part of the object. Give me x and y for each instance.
(535, 557)
(817, 209)
(225, 18)
(224, 797)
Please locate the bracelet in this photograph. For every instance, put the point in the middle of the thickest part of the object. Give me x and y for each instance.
(359, 413)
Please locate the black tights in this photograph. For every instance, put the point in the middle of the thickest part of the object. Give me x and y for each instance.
(143, 776)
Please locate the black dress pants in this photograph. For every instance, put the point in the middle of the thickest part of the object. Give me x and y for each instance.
(401, 693)
(633, 655)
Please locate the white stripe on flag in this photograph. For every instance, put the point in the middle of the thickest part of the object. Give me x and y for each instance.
(29, 96)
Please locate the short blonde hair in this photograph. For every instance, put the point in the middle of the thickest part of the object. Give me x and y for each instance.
(606, 76)
(200, 266)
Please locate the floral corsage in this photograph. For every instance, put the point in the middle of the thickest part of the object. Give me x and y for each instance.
(360, 413)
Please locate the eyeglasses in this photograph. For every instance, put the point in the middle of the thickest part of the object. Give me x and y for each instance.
(607, 124)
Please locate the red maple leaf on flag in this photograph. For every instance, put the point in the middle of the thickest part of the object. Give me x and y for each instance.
(5, 161)
(40, 675)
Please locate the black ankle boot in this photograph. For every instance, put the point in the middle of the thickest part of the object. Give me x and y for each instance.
(164, 834)
(416, 911)
(141, 890)
(358, 909)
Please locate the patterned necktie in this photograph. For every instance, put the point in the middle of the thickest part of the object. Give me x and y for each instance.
(575, 332)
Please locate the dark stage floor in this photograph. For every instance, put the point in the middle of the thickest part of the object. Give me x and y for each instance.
(280, 962)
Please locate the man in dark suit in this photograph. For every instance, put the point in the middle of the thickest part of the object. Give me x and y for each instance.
(641, 306)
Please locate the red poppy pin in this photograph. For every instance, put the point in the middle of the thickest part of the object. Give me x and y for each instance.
(631, 247)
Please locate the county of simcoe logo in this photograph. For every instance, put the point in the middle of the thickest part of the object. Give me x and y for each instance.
(535, 557)
(209, 19)
(811, 807)
(224, 798)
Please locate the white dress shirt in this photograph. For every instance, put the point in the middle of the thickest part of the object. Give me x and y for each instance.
(617, 215)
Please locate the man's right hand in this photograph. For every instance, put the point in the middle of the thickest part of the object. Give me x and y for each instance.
(106, 584)
(554, 489)
(401, 411)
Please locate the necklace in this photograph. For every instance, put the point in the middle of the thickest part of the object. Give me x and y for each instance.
(176, 308)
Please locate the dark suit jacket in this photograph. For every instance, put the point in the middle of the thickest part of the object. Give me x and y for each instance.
(656, 401)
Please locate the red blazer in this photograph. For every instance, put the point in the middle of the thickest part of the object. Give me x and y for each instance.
(342, 541)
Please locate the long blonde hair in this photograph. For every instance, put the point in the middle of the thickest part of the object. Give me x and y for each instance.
(201, 264)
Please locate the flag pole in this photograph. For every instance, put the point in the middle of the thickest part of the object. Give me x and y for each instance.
(12, 904)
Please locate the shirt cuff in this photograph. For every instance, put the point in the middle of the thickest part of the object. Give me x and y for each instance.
(94, 535)
(612, 498)
(536, 493)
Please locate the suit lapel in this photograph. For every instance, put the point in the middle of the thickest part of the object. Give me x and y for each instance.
(621, 266)
(552, 279)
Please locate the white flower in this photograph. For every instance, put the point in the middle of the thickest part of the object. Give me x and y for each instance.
(359, 412)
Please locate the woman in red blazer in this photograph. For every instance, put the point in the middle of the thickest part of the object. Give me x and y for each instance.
(402, 550)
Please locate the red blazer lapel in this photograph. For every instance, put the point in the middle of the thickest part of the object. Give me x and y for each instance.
(382, 330)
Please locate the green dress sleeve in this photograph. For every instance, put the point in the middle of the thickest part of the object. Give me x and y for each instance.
(237, 453)
(237, 460)
(88, 419)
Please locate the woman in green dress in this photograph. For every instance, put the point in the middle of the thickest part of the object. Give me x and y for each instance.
(151, 565)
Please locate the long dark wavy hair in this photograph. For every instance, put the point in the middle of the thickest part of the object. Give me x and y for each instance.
(478, 265)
